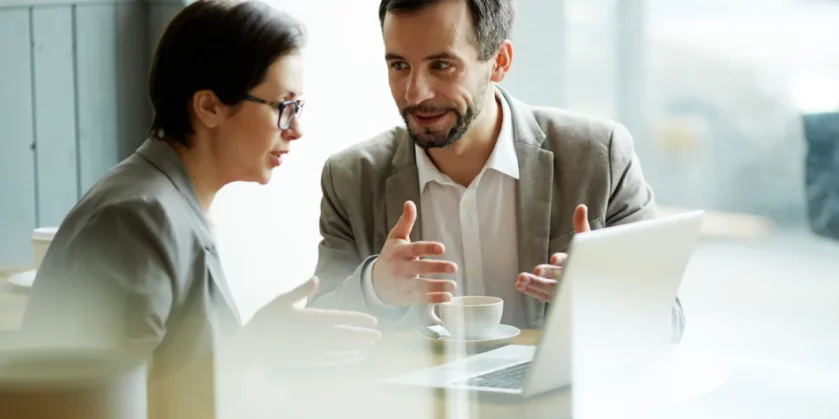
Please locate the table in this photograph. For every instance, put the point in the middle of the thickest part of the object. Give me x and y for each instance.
(12, 304)
(754, 387)
(353, 390)
(356, 390)
(770, 384)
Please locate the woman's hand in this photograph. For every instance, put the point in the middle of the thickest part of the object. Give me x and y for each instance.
(284, 335)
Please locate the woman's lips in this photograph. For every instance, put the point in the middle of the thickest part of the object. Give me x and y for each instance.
(277, 158)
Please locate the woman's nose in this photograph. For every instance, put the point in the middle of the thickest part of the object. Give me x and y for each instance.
(294, 131)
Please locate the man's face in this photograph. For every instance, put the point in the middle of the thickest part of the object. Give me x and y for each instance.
(436, 77)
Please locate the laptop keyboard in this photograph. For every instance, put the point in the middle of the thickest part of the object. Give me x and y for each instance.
(511, 378)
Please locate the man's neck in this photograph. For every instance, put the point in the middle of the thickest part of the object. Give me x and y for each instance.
(464, 160)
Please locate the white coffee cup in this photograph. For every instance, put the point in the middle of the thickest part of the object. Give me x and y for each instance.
(40, 240)
(469, 317)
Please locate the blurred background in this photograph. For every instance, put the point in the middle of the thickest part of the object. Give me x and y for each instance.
(713, 91)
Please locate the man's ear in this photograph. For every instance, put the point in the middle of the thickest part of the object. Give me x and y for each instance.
(503, 61)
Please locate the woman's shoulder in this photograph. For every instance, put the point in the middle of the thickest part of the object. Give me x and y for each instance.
(132, 178)
(129, 201)
(112, 217)
(134, 189)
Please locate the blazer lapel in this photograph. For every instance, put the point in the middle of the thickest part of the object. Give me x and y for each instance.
(162, 156)
(534, 192)
(403, 185)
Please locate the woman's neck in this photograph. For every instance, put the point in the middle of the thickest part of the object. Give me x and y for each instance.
(200, 166)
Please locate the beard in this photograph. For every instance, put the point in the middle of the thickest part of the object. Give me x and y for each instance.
(427, 139)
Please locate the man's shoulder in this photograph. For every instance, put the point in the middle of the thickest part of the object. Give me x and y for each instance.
(375, 153)
(564, 128)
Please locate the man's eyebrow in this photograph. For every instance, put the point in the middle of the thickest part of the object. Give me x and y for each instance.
(436, 56)
(442, 56)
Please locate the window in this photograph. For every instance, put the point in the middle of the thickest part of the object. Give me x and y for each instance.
(268, 235)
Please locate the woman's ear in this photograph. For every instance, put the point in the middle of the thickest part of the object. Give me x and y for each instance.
(208, 109)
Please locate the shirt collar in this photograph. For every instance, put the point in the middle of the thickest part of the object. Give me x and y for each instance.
(503, 158)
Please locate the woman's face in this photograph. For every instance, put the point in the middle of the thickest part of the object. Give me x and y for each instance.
(251, 142)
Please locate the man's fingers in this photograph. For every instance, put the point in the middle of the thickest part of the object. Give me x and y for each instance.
(437, 297)
(403, 227)
(559, 259)
(420, 249)
(430, 267)
(581, 224)
(431, 291)
(530, 280)
(548, 271)
(537, 287)
(315, 317)
(435, 285)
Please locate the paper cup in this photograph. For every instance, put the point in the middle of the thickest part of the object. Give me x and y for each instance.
(41, 239)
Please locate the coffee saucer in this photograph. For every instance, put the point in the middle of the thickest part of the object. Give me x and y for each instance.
(23, 279)
(503, 335)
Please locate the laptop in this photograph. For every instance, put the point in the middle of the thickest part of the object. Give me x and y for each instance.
(619, 285)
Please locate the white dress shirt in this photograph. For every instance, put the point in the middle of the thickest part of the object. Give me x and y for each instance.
(477, 224)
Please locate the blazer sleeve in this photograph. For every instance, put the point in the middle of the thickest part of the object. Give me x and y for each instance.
(630, 197)
(111, 283)
(822, 174)
(340, 268)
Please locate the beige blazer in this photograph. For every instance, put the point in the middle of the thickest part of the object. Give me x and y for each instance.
(565, 159)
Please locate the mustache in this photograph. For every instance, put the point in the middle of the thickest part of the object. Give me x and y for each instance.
(428, 109)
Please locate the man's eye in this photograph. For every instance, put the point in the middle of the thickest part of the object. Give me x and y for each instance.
(441, 65)
(398, 65)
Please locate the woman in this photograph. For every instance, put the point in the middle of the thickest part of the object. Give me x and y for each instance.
(134, 266)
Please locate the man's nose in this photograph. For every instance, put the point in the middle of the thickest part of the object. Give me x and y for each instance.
(418, 89)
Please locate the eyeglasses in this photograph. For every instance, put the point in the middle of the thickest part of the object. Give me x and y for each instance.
(288, 109)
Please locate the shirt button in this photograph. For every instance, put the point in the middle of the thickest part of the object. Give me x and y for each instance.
(473, 272)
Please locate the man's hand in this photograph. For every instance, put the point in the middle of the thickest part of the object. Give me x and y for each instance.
(542, 282)
(285, 335)
(398, 271)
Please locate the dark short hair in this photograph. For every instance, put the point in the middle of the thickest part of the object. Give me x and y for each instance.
(223, 46)
(492, 20)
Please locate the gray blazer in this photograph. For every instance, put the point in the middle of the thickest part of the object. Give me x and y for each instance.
(565, 159)
(133, 264)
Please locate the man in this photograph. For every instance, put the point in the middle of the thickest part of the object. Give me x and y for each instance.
(821, 132)
(494, 188)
